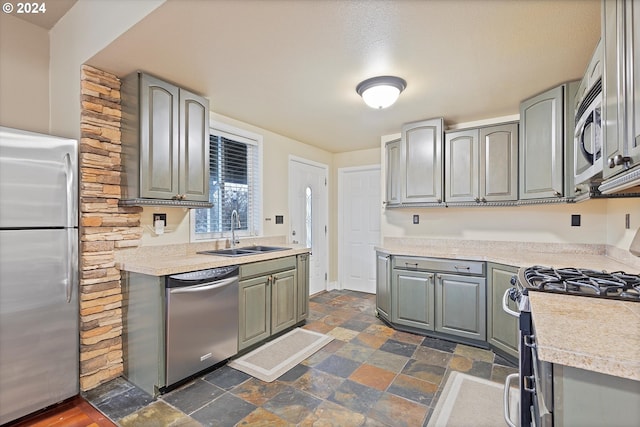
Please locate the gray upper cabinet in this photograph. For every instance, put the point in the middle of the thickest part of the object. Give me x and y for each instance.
(481, 165)
(421, 162)
(621, 111)
(165, 142)
(546, 121)
(461, 166)
(498, 169)
(392, 161)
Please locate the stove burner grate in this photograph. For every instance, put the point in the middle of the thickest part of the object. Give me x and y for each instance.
(587, 282)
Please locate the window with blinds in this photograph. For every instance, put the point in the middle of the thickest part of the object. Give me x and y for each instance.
(233, 185)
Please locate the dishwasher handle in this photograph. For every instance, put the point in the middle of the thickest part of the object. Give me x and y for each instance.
(205, 286)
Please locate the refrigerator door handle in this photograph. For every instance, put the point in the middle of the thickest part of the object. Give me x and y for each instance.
(70, 191)
(72, 266)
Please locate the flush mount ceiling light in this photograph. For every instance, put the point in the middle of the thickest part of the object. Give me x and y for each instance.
(382, 91)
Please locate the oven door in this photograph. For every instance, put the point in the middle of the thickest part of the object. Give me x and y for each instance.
(588, 160)
(513, 407)
(540, 385)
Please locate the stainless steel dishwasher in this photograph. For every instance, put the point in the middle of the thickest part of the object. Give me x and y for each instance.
(202, 320)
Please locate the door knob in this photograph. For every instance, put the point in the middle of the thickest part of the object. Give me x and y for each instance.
(293, 233)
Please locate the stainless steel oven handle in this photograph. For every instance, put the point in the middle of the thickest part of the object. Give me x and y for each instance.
(529, 383)
(530, 341)
(505, 304)
(204, 286)
(507, 388)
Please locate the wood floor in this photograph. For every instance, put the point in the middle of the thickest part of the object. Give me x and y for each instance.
(73, 413)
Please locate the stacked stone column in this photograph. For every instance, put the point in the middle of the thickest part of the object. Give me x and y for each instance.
(104, 228)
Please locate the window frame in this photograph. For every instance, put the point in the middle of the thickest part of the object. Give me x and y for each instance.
(247, 137)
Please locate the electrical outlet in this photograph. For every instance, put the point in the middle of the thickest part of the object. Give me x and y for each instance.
(575, 220)
(416, 219)
(160, 216)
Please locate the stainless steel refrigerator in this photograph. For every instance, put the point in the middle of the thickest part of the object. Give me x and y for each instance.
(39, 338)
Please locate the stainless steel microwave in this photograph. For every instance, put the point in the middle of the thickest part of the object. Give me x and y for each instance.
(588, 156)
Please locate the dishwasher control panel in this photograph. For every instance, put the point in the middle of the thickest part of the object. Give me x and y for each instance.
(194, 277)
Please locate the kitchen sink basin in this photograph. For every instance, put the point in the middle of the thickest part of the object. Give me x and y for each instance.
(229, 252)
(259, 248)
(249, 250)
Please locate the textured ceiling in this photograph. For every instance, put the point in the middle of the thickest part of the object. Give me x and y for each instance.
(54, 10)
(291, 67)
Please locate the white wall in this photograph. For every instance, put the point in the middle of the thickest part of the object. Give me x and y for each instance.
(617, 234)
(24, 75)
(88, 27)
(538, 223)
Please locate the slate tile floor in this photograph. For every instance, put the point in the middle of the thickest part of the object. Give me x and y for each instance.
(369, 375)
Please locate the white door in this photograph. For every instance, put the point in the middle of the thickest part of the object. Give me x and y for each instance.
(308, 206)
(358, 227)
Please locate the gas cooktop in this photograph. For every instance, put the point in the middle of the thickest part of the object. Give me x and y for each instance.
(581, 281)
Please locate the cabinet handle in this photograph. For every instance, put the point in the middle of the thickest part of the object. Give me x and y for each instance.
(462, 267)
(477, 200)
(408, 264)
(484, 200)
(557, 194)
(439, 200)
(577, 189)
(618, 160)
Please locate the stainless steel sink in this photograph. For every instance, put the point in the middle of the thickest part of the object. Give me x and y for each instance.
(259, 248)
(229, 252)
(249, 250)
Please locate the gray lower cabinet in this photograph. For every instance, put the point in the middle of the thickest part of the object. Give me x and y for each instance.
(383, 285)
(502, 328)
(412, 293)
(303, 286)
(255, 311)
(268, 299)
(460, 305)
(284, 300)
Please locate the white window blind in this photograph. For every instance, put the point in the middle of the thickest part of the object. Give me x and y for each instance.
(233, 185)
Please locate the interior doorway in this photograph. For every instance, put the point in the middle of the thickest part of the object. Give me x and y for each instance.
(308, 207)
(359, 198)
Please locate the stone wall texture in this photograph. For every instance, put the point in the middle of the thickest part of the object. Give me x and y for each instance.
(104, 228)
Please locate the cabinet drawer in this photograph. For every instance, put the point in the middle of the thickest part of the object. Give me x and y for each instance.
(438, 264)
(267, 267)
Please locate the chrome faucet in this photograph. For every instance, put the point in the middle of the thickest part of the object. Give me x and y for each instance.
(235, 223)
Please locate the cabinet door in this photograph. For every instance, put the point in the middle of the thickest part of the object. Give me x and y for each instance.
(541, 145)
(499, 162)
(392, 161)
(613, 86)
(159, 140)
(633, 80)
(383, 285)
(412, 298)
(461, 306)
(421, 161)
(461, 166)
(303, 286)
(255, 311)
(283, 300)
(194, 147)
(502, 328)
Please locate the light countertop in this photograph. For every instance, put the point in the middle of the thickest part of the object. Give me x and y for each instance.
(594, 334)
(515, 254)
(164, 264)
